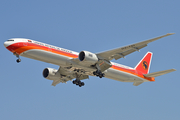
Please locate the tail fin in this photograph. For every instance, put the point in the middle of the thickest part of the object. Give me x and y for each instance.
(144, 65)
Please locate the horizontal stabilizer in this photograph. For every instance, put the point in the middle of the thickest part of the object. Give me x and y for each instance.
(155, 74)
(137, 83)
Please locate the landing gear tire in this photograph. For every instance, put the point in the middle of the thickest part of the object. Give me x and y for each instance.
(18, 60)
(74, 82)
(99, 74)
(17, 55)
(78, 82)
(94, 73)
(82, 83)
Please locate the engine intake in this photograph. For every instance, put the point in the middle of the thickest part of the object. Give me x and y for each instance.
(51, 74)
(88, 58)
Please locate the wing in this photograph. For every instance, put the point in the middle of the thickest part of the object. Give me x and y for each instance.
(123, 51)
(66, 76)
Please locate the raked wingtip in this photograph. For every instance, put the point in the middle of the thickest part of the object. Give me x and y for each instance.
(170, 33)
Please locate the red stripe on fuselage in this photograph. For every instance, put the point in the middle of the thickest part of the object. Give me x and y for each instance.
(21, 47)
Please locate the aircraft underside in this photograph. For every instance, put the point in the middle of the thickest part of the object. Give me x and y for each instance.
(77, 70)
(75, 66)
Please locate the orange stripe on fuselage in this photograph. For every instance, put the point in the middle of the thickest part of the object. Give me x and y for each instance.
(22, 47)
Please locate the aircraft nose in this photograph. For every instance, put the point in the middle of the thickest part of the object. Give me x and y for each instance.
(6, 44)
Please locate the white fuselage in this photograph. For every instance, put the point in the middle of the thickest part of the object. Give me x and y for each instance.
(52, 54)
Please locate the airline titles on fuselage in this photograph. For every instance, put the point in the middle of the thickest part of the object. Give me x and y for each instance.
(54, 47)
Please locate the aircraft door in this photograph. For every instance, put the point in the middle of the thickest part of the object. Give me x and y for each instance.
(24, 43)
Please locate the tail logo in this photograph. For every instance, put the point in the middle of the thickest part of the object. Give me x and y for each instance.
(145, 65)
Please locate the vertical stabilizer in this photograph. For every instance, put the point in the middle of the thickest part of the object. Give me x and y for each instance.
(144, 65)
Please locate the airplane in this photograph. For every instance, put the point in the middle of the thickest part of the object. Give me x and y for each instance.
(79, 66)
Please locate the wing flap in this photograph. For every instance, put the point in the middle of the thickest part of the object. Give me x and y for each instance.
(155, 74)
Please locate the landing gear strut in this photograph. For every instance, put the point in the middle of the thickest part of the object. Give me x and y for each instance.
(98, 72)
(78, 82)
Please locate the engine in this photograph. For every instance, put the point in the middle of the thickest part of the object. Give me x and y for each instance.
(88, 58)
(51, 74)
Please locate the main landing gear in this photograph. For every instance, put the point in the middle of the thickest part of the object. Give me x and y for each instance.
(78, 82)
(99, 74)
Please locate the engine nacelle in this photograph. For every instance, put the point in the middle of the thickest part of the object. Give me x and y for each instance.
(51, 74)
(88, 58)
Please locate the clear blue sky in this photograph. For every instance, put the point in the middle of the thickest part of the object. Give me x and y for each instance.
(92, 25)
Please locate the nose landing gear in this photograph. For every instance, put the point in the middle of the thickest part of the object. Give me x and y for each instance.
(18, 60)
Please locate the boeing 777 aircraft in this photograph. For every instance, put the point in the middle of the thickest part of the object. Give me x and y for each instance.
(80, 66)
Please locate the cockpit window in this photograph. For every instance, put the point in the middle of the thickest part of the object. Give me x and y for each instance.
(10, 40)
(29, 41)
